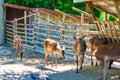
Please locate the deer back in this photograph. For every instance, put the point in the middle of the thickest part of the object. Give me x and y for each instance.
(79, 45)
(17, 41)
(50, 45)
(110, 50)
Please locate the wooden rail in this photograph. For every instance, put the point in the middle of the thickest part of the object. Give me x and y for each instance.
(33, 34)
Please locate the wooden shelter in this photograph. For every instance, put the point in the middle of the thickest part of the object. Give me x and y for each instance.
(111, 7)
(109, 29)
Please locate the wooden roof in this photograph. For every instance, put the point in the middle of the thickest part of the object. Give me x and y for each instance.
(53, 12)
(111, 7)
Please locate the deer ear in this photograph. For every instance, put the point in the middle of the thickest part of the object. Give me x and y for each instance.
(83, 36)
(75, 38)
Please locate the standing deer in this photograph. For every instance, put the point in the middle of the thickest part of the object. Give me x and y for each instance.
(53, 47)
(79, 48)
(95, 42)
(17, 46)
(107, 53)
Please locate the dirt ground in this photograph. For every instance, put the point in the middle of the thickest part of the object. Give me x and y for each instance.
(32, 68)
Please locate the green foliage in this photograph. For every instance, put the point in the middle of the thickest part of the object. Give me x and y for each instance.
(112, 18)
(63, 5)
(97, 12)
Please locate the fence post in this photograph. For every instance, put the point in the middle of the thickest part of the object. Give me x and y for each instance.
(2, 27)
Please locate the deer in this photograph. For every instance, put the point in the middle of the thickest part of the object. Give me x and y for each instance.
(95, 42)
(107, 53)
(79, 49)
(17, 46)
(53, 47)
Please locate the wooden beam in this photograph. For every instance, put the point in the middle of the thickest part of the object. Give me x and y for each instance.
(80, 11)
(117, 9)
(66, 14)
(106, 17)
(94, 17)
(91, 0)
(91, 10)
(108, 6)
(100, 8)
(100, 0)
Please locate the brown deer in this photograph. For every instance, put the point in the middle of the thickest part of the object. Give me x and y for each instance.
(107, 53)
(79, 48)
(53, 47)
(95, 42)
(17, 46)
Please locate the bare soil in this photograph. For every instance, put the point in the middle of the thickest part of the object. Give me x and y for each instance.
(32, 68)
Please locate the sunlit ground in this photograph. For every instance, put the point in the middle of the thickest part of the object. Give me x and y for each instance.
(32, 68)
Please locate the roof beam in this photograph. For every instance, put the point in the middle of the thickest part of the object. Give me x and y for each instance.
(80, 11)
(117, 8)
(100, 8)
(91, 0)
(107, 6)
(91, 10)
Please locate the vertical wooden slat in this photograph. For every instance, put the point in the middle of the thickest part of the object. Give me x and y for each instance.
(63, 30)
(82, 22)
(48, 24)
(100, 29)
(25, 21)
(110, 31)
(107, 35)
(15, 27)
(116, 34)
(105, 19)
(93, 16)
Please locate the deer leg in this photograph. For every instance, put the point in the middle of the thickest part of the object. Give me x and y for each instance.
(106, 65)
(12, 52)
(46, 54)
(91, 58)
(81, 61)
(52, 59)
(17, 53)
(21, 55)
(111, 62)
(56, 60)
(77, 63)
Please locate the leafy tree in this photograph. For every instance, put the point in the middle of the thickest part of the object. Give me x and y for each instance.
(63, 5)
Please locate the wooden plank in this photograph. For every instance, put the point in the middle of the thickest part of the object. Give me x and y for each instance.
(116, 34)
(94, 17)
(103, 9)
(107, 34)
(106, 17)
(66, 14)
(117, 8)
(111, 34)
(108, 6)
(80, 11)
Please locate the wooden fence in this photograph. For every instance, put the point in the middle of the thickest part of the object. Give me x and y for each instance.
(41, 27)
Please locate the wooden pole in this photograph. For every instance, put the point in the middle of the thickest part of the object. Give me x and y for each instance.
(113, 25)
(82, 22)
(110, 30)
(106, 17)
(25, 22)
(2, 27)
